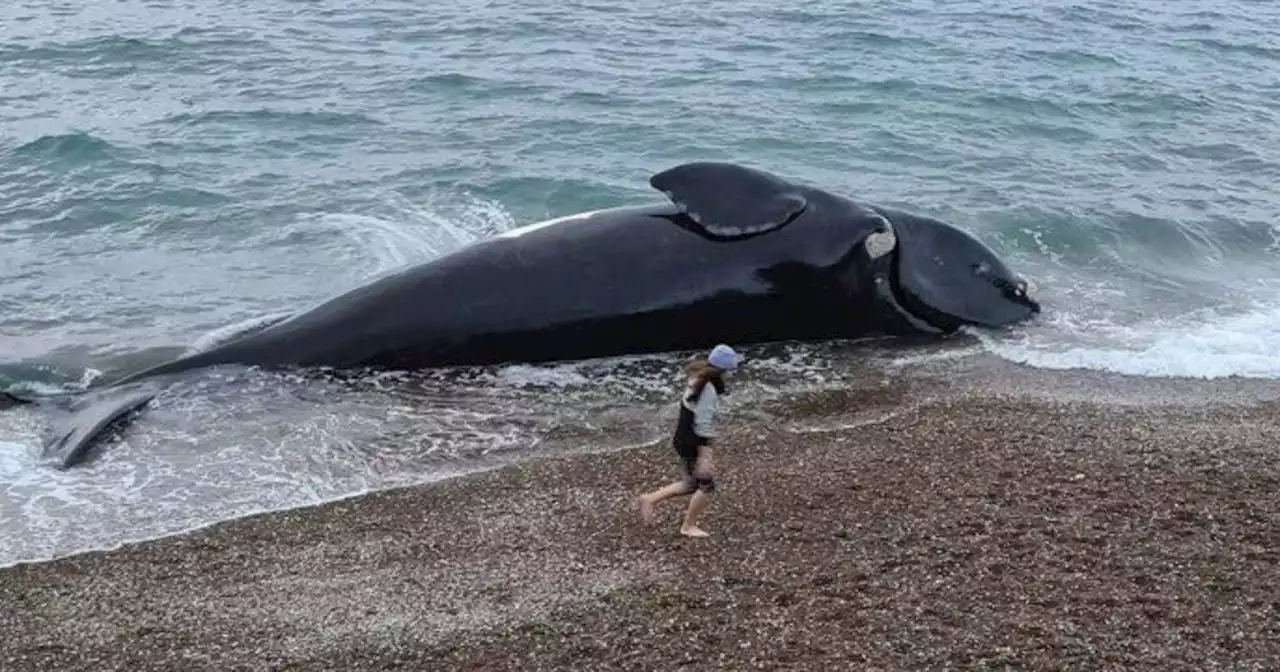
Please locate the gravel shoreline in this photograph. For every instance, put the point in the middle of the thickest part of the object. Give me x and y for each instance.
(965, 532)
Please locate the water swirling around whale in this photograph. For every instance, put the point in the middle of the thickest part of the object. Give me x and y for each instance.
(168, 170)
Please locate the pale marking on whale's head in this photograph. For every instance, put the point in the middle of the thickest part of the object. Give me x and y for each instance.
(880, 243)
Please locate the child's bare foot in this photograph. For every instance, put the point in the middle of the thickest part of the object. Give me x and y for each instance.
(695, 532)
(646, 511)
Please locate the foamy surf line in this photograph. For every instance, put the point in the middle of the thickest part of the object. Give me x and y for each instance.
(201, 457)
(161, 480)
(285, 507)
(126, 541)
(980, 372)
(1204, 345)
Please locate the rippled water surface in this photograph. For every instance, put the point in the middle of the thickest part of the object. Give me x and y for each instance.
(170, 169)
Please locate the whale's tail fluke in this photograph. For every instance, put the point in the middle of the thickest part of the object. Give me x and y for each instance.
(85, 416)
(77, 434)
(11, 400)
(89, 415)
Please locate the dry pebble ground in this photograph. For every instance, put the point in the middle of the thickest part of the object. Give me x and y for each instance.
(966, 534)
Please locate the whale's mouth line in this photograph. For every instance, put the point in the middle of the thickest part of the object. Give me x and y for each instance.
(890, 291)
(895, 293)
(907, 302)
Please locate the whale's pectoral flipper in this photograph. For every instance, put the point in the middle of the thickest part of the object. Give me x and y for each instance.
(731, 201)
(70, 444)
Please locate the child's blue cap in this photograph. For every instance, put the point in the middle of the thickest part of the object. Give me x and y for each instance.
(724, 357)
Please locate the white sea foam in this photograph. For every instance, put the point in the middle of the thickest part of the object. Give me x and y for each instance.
(566, 375)
(12, 460)
(1200, 344)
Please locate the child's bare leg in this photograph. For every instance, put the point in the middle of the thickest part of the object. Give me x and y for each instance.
(705, 484)
(649, 499)
(697, 504)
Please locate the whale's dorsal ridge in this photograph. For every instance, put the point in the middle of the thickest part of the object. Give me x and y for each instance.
(727, 200)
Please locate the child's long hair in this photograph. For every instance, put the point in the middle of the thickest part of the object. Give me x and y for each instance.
(702, 372)
(700, 369)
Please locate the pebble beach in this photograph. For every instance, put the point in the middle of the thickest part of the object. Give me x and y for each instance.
(967, 521)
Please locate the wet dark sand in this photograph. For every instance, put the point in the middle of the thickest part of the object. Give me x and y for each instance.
(969, 530)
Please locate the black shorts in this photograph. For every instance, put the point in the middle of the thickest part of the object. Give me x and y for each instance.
(688, 449)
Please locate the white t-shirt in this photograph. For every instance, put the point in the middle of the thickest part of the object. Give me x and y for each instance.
(704, 411)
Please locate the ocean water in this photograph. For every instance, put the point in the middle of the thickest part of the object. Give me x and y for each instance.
(169, 170)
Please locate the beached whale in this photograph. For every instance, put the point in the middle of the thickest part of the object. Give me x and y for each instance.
(737, 255)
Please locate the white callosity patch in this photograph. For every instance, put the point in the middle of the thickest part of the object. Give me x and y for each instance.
(883, 240)
(880, 243)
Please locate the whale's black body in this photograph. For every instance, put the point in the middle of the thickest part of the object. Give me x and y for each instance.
(738, 255)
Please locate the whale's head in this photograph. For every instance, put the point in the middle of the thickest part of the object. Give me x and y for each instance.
(930, 275)
(939, 278)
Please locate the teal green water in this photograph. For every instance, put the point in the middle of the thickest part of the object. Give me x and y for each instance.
(168, 169)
